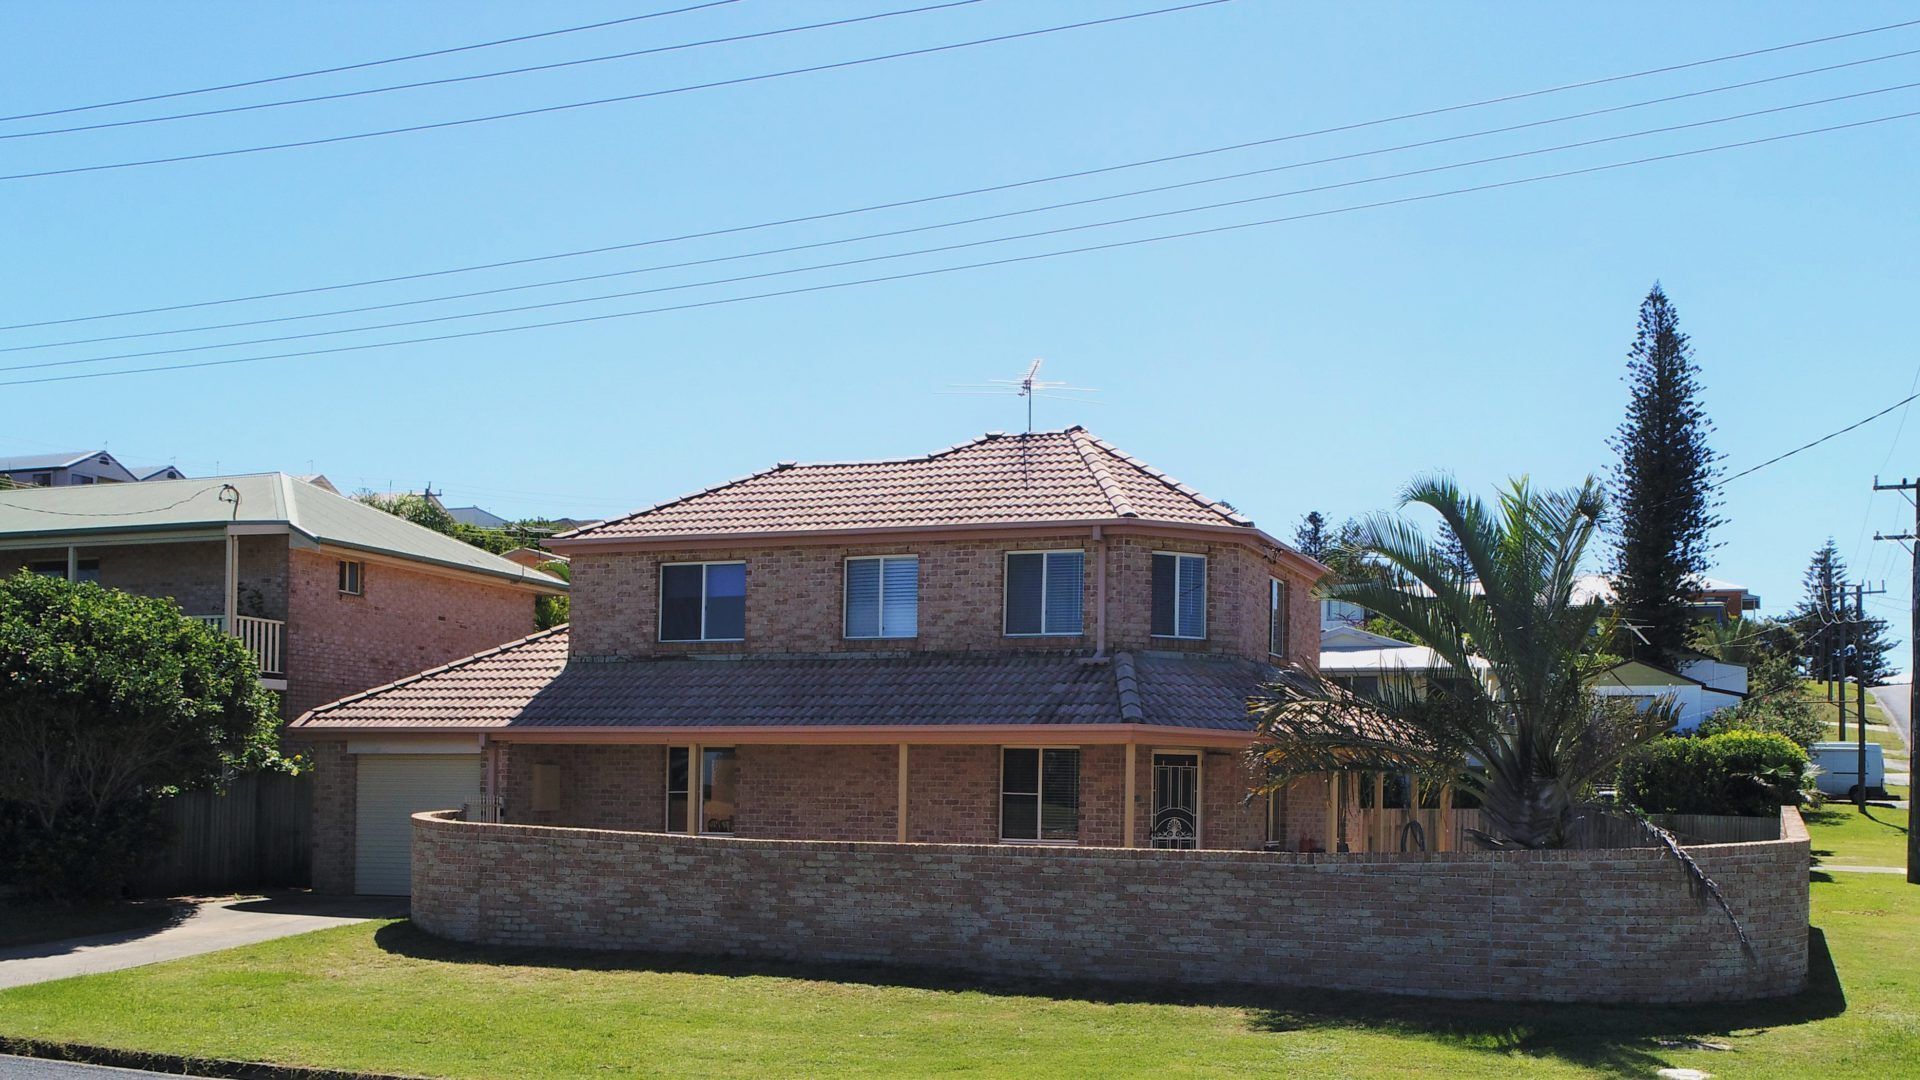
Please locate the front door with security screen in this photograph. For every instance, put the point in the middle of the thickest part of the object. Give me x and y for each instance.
(1176, 800)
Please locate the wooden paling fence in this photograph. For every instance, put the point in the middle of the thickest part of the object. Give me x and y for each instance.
(1431, 830)
(258, 834)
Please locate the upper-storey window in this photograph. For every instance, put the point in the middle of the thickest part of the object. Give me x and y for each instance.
(352, 575)
(1179, 595)
(1276, 617)
(1044, 592)
(703, 601)
(883, 596)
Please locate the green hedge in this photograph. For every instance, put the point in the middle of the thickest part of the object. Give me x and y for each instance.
(1748, 773)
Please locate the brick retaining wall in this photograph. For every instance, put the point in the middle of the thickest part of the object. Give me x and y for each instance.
(1618, 925)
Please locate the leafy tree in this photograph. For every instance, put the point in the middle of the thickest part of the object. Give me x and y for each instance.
(423, 511)
(1538, 735)
(1662, 484)
(551, 611)
(108, 701)
(1767, 648)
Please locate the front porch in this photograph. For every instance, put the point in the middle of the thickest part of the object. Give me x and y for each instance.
(1157, 791)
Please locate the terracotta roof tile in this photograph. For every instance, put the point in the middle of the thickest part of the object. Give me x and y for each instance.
(529, 685)
(997, 479)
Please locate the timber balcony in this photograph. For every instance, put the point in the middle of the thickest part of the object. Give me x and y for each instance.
(264, 638)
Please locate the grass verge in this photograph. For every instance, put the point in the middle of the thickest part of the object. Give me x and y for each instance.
(384, 997)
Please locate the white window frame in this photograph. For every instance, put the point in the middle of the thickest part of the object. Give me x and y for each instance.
(660, 621)
(1040, 778)
(846, 580)
(1006, 579)
(1279, 617)
(1206, 597)
(354, 572)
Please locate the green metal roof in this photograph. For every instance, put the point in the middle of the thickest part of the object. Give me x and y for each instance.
(100, 511)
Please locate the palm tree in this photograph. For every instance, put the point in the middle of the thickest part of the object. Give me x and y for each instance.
(1515, 722)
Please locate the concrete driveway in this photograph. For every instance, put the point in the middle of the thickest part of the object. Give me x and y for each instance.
(213, 925)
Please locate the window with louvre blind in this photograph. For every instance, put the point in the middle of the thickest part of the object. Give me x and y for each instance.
(1179, 595)
(1045, 593)
(1040, 794)
(883, 596)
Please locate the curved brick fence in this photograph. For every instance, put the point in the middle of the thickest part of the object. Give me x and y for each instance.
(1615, 925)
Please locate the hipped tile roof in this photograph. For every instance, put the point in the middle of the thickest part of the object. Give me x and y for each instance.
(528, 684)
(1035, 478)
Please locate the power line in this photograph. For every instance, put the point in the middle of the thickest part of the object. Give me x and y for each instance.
(1009, 260)
(364, 64)
(897, 204)
(1829, 435)
(740, 80)
(951, 224)
(344, 94)
(965, 245)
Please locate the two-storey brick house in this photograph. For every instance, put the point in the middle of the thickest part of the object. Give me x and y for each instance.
(330, 595)
(1021, 639)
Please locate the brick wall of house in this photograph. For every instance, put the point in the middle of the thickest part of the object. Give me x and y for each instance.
(192, 574)
(797, 792)
(851, 792)
(601, 787)
(1617, 925)
(404, 622)
(795, 598)
(334, 785)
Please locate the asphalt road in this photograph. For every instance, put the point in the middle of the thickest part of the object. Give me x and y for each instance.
(19, 1068)
(1893, 698)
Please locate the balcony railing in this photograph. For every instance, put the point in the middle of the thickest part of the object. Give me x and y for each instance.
(264, 638)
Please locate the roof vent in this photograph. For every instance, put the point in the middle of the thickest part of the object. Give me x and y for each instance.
(785, 464)
(996, 434)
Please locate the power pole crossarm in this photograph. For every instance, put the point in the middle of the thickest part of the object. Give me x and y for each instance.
(1911, 487)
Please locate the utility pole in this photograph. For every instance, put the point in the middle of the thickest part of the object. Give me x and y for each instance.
(1860, 594)
(1910, 487)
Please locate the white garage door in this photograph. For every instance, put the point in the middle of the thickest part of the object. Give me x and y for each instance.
(393, 788)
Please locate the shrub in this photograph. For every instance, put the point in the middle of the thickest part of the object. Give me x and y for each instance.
(1748, 773)
(107, 702)
(1787, 713)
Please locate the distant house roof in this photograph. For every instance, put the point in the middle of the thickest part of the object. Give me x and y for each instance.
(473, 515)
(1349, 650)
(100, 511)
(156, 472)
(61, 460)
(529, 685)
(1638, 673)
(1591, 587)
(1040, 478)
(320, 481)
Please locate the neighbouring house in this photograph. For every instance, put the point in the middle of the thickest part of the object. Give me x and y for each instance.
(533, 557)
(75, 467)
(1359, 660)
(329, 595)
(473, 515)
(1021, 639)
(1700, 687)
(1714, 600)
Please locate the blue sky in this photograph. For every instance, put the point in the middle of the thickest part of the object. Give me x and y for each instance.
(1314, 364)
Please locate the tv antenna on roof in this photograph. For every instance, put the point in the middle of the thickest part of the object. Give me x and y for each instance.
(1029, 386)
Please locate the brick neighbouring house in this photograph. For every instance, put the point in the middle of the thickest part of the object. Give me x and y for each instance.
(330, 595)
(1024, 638)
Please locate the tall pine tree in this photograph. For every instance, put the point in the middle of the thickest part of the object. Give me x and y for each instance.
(1662, 485)
(1311, 535)
(1826, 623)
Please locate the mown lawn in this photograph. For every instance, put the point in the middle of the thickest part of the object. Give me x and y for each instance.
(384, 997)
(1844, 836)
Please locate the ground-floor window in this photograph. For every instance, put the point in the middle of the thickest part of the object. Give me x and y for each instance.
(718, 788)
(1039, 794)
